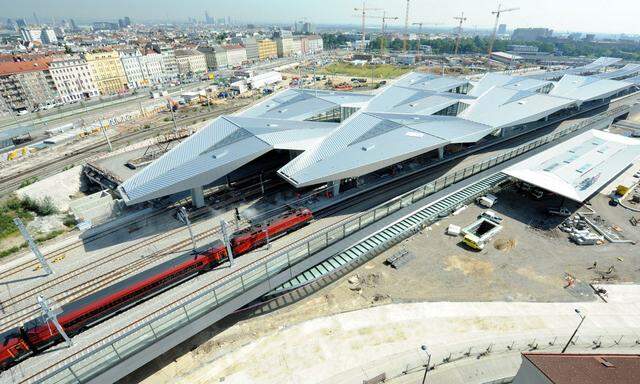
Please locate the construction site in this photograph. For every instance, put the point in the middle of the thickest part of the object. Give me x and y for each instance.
(437, 219)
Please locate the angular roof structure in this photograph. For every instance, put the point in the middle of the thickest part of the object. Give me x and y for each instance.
(586, 88)
(580, 166)
(415, 114)
(303, 104)
(628, 70)
(592, 67)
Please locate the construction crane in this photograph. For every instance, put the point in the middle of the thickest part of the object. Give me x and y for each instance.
(406, 28)
(495, 27)
(364, 10)
(384, 18)
(420, 24)
(461, 20)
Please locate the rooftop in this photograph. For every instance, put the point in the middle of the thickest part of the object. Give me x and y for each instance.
(579, 167)
(586, 368)
(415, 114)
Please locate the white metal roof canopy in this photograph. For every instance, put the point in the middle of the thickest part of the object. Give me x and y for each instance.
(580, 166)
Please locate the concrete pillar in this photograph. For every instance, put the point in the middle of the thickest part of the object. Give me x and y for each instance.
(335, 185)
(197, 197)
(440, 153)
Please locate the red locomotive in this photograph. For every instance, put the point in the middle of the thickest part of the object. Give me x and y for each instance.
(19, 343)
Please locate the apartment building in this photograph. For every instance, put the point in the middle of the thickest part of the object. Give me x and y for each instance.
(151, 66)
(284, 46)
(73, 79)
(26, 85)
(251, 48)
(190, 62)
(312, 44)
(132, 69)
(236, 55)
(267, 49)
(108, 71)
(169, 62)
(296, 46)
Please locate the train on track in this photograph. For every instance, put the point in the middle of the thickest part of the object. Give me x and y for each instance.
(36, 335)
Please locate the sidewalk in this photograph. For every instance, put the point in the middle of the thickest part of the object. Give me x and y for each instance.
(354, 346)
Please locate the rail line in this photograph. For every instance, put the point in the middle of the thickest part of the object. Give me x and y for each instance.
(10, 183)
(99, 282)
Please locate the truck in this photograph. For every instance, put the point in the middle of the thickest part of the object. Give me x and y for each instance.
(480, 232)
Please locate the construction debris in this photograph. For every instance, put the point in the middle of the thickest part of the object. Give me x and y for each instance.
(579, 232)
(400, 258)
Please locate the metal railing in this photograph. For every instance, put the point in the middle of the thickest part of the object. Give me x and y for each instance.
(414, 361)
(121, 344)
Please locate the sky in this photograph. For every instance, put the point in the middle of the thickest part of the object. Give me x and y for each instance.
(610, 16)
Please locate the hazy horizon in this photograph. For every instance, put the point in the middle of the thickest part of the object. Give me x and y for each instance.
(619, 16)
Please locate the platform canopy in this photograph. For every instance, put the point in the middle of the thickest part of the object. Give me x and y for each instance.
(580, 166)
(413, 115)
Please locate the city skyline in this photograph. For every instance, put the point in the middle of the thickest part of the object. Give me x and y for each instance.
(588, 16)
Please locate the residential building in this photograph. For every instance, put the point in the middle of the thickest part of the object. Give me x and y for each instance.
(108, 71)
(251, 46)
(296, 46)
(190, 62)
(284, 46)
(151, 66)
(209, 56)
(133, 70)
(31, 34)
(73, 79)
(215, 56)
(169, 63)
(25, 85)
(48, 36)
(531, 34)
(267, 49)
(312, 44)
(236, 55)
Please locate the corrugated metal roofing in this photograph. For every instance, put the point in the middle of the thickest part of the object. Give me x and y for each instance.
(586, 88)
(626, 71)
(579, 167)
(502, 107)
(491, 80)
(394, 125)
(300, 104)
(592, 67)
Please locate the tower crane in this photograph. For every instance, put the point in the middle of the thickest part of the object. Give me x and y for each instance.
(364, 10)
(461, 20)
(406, 28)
(497, 12)
(384, 18)
(420, 24)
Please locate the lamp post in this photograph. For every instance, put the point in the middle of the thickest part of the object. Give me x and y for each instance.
(582, 317)
(424, 348)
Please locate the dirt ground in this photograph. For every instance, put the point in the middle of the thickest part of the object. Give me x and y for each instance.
(529, 260)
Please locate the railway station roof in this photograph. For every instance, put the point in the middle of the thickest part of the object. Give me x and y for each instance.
(624, 72)
(370, 141)
(303, 104)
(593, 67)
(586, 88)
(415, 114)
(580, 166)
(225, 144)
(520, 83)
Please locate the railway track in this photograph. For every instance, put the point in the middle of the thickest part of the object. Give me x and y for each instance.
(9, 184)
(28, 309)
